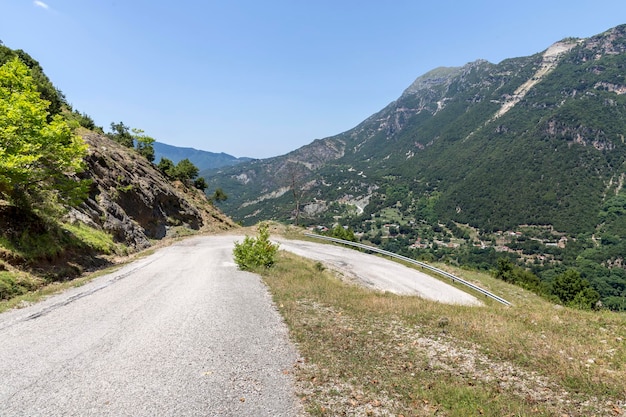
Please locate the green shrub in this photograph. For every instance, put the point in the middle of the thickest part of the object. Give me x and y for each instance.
(256, 252)
(341, 232)
(12, 284)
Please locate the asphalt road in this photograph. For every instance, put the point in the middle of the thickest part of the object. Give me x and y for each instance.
(379, 273)
(179, 333)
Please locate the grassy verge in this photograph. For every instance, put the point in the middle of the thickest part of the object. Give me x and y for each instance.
(369, 353)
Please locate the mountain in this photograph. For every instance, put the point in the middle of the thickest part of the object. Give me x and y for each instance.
(201, 159)
(532, 142)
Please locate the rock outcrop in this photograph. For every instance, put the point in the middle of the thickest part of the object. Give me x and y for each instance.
(134, 201)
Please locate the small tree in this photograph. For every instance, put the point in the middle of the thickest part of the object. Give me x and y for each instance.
(574, 291)
(219, 195)
(256, 252)
(143, 144)
(185, 170)
(341, 232)
(200, 183)
(296, 175)
(167, 167)
(121, 134)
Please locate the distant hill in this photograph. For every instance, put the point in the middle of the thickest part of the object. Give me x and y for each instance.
(202, 159)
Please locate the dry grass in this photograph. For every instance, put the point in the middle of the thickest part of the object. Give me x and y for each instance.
(369, 353)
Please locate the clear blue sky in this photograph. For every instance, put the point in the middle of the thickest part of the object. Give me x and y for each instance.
(262, 78)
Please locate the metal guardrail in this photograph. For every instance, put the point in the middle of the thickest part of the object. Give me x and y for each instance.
(454, 278)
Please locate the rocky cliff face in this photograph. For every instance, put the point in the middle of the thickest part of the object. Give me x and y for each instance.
(134, 202)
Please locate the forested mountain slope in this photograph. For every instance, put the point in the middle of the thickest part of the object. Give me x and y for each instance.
(533, 141)
(201, 159)
(551, 158)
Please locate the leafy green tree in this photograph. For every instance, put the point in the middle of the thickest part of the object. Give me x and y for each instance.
(37, 155)
(54, 97)
(574, 291)
(219, 195)
(200, 183)
(513, 274)
(185, 170)
(504, 270)
(143, 144)
(167, 167)
(121, 134)
(341, 232)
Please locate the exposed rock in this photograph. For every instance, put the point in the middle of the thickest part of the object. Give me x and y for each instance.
(133, 201)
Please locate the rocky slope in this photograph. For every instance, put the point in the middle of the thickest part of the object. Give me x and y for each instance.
(134, 202)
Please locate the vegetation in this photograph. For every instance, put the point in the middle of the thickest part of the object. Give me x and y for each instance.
(371, 353)
(38, 154)
(47, 91)
(185, 171)
(133, 138)
(121, 134)
(568, 288)
(143, 144)
(340, 232)
(256, 252)
(30, 240)
(219, 195)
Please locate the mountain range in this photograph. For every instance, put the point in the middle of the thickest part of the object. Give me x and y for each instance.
(201, 159)
(531, 140)
(534, 141)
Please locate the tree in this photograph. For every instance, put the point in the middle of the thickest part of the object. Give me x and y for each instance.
(296, 175)
(121, 134)
(219, 195)
(505, 270)
(200, 183)
(44, 86)
(37, 155)
(256, 252)
(574, 291)
(143, 144)
(341, 232)
(185, 170)
(167, 167)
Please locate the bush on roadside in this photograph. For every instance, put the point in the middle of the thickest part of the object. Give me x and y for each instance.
(256, 252)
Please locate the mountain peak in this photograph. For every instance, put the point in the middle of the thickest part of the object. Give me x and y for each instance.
(432, 78)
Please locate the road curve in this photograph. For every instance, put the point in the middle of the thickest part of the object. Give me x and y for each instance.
(379, 273)
(181, 332)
